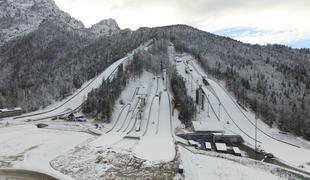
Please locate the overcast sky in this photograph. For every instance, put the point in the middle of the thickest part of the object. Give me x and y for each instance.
(254, 21)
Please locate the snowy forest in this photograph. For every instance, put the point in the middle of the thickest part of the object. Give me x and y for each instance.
(183, 102)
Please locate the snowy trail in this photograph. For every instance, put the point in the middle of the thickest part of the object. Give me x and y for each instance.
(74, 101)
(153, 126)
(139, 122)
(140, 127)
(164, 127)
(149, 106)
(157, 144)
(123, 113)
(153, 121)
(131, 115)
(133, 118)
(120, 119)
(149, 98)
(142, 123)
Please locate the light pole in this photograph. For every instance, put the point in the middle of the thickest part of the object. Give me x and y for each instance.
(256, 134)
(219, 111)
(208, 105)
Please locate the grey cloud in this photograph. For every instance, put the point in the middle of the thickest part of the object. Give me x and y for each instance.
(209, 15)
(191, 11)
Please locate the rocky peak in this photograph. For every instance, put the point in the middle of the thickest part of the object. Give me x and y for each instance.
(19, 17)
(105, 27)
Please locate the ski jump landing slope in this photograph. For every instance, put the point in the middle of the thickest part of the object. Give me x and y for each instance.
(242, 122)
(158, 144)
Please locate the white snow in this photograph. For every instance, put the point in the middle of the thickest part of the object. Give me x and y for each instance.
(155, 148)
(210, 126)
(38, 146)
(202, 167)
(164, 126)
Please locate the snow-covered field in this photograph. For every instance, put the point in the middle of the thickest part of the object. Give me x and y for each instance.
(27, 147)
(227, 167)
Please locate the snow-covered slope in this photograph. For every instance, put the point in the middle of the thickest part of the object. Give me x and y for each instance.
(19, 17)
(105, 27)
(237, 120)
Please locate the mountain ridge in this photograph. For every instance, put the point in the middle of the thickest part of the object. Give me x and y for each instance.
(20, 17)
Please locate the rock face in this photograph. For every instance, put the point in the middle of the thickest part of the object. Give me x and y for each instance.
(19, 17)
(105, 27)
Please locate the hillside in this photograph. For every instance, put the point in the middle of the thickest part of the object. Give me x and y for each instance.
(49, 57)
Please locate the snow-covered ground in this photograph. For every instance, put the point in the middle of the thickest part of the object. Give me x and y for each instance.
(227, 167)
(242, 121)
(92, 164)
(30, 148)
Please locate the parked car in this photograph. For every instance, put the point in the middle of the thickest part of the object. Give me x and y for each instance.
(269, 156)
(80, 119)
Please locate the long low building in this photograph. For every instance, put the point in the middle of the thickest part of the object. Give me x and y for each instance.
(212, 137)
(11, 112)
